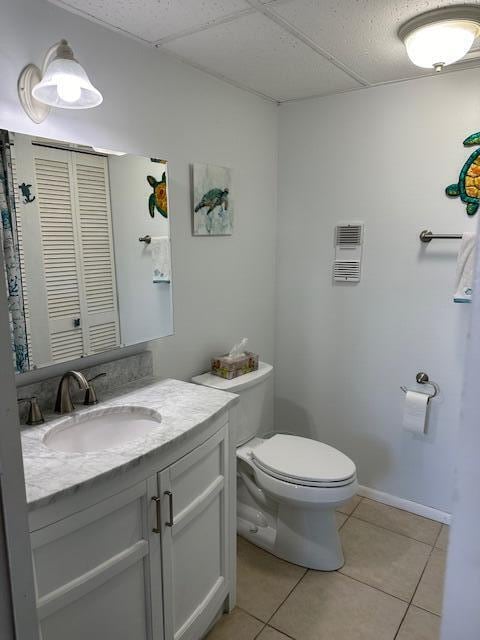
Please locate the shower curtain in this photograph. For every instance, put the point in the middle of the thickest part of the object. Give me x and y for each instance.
(13, 276)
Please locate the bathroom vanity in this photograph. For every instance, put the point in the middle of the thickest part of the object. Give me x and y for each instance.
(135, 540)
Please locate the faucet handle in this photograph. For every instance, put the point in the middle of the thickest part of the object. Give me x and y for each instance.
(35, 415)
(90, 393)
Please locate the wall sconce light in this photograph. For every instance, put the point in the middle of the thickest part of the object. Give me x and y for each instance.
(62, 83)
(440, 37)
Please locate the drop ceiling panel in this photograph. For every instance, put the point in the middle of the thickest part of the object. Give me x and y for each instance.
(284, 49)
(362, 34)
(153, 20)
(256, 53)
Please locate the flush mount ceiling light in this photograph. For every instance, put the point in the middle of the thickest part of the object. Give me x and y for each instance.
(62, 83)
(442, 36)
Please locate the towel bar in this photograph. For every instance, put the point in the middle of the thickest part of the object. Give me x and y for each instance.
(428, 236)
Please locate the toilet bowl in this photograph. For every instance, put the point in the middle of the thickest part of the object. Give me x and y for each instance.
(288, 486)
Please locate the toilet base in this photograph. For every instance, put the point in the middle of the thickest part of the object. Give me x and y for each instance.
(307, 538)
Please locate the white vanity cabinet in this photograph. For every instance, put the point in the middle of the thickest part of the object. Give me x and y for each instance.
(96, 571)
(195, 525)
(151, 562)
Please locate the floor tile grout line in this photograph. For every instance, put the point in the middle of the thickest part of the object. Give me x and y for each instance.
(288, 595)
(374, 524)
(347, 518)
(401, 622)
(438, 536)
(406, 612)
(261, 630)
(282, 632)
(421, 576)
(354, 508)
(417, 606)
(367, 584)
(251, 614)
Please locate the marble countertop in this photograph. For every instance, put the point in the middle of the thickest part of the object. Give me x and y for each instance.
(184, 408)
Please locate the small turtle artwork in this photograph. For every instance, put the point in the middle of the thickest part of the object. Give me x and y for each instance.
(158, 199)
(468, 185)
(26, 193)
(212, 203)
(213, 198)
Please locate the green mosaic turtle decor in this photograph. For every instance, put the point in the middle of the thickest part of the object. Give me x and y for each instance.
(468, 185)
(158, 199)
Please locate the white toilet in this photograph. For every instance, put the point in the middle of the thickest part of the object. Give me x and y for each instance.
(288, 486)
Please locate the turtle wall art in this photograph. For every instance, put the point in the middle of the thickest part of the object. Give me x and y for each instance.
(468, 185)
(158, 199)
(26, 190)
(212, 201)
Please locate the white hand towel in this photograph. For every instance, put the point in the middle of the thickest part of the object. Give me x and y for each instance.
(415, 411)
(162, 266)
(465, 264)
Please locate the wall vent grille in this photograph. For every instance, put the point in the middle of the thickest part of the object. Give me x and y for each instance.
(348, 235)
(346, 270)
(348, 251)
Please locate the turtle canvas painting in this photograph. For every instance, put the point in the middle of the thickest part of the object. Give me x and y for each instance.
(212, 201)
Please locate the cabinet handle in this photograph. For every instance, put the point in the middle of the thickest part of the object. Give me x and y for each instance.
(170, 506)
(157, 501)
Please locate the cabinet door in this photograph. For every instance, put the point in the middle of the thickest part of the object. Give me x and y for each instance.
(98, 571)
(194, 519)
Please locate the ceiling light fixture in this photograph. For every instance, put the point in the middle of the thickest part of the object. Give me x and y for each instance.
(440, 37)
(62, 83)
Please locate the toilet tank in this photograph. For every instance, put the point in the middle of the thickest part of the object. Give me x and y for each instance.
(255, 407)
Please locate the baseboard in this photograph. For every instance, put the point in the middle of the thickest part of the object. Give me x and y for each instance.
(406, 505)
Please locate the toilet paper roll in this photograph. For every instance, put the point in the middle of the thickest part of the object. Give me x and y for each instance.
(415, 412)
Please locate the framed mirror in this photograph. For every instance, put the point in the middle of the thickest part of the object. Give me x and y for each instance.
(86, 245)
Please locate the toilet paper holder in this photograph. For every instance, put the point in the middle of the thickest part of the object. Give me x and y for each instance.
(422, 378)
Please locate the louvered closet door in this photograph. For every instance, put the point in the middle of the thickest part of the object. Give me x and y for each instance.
(94, 222)
(61, 259)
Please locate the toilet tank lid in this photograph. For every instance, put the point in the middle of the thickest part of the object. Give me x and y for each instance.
(237, 384)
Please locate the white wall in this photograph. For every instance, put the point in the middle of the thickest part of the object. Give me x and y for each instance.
(158, 107)
(383, 156)
(145, 307)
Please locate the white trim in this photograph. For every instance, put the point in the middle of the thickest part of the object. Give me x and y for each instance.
(198, 505)
(91, 580)
(76, 521)
(212, 596)
(407, 505)
(17, 576)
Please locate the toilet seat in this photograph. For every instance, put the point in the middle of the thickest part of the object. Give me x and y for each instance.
(305, 462)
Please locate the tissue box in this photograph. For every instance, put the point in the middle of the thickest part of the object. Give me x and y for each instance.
(230, 368)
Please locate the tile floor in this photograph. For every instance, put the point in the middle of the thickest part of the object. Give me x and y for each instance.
(390, 587)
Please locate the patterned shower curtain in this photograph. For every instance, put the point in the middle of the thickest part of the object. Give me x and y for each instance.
(13, 276)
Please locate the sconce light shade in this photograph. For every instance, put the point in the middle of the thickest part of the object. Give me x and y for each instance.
(63, 83)
(66, 85)
(442, 36)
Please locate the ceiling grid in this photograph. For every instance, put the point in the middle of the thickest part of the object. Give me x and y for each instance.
(281, 50)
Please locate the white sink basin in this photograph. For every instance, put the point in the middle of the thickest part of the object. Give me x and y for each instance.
(102, 429)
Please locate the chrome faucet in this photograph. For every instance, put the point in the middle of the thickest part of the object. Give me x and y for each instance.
(64, 402)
